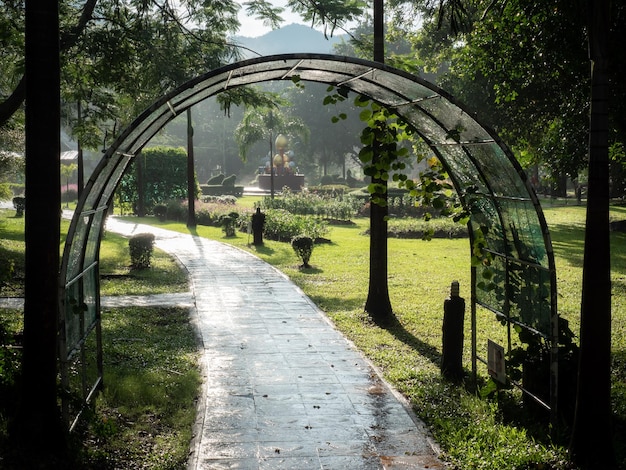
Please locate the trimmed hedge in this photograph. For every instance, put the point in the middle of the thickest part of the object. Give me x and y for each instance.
(141, 247)
(216, 180)
(303, 246)
(222, 186)
(19, 203)
(219, 190)
(165, 178)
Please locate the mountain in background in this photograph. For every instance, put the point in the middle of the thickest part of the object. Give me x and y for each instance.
(288, 39)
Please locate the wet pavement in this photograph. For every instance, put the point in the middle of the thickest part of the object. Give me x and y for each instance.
(283, 389)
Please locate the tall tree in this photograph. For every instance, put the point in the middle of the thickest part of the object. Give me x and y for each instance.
(543, 78)
(378, 304)
(38, 431)
(591, 443)
(112, 46)
(116, 55)
(191, 175)
(332, 137)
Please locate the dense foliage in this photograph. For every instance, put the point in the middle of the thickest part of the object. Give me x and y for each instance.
(11, 169)
(523, 67)
(281, 225)
(332, 205)
(164, 177)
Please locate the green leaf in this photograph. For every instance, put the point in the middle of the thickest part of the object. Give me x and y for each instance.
(361, 101)
(366, 154)
(365, 115)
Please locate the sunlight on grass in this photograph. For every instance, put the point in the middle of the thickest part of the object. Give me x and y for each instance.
(474, 432)
(420, 272)
(117, 277)
(152, 381)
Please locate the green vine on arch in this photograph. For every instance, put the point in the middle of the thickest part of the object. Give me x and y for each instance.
(390, 148)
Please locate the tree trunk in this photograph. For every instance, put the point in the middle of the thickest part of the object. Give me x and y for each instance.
(39, 431)
(80, 159)
(191, 175)
(379, 31)
(591, 443)
(141, 185)
(559, 185)
(378, 304)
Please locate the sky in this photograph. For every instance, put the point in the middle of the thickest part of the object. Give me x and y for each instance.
(252, 28)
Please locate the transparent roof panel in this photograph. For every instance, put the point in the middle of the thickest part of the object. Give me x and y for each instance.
(496, 166)
(523, 231)
(461, 128)
(463, 169)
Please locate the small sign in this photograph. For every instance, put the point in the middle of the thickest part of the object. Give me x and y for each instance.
(495, 361)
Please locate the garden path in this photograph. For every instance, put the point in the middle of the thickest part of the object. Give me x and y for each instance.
(282, 388)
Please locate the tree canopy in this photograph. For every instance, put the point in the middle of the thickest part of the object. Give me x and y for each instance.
(521, 65)
(119, 56)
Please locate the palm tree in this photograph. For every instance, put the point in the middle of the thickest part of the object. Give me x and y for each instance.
(260, 123)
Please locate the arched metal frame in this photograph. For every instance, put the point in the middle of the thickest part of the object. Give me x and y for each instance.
(515, 277)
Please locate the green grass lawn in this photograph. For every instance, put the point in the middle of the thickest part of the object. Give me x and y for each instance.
(474, 433)
(117, 276)
(145, 413)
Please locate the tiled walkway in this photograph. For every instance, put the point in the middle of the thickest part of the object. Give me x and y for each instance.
(283, 389)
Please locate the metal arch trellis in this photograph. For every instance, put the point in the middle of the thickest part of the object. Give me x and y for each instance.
(505, 214)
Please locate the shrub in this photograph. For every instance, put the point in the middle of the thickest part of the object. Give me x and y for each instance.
(177, 210)
(281, 225)
(326, 179)
(5, 191)
(331, 205)
(229, 223)
(19, 203)
(10, 366)
(227, 199)
(7, 269)
(214, 190)
(223, 199)
(213, 212)
(229, 181)
(160, 211)
(69, 192)
(69, 195)
(443, 227)
(203, 216)
(141, 247)
(303, 246)
(216, 180)
(331, 190)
